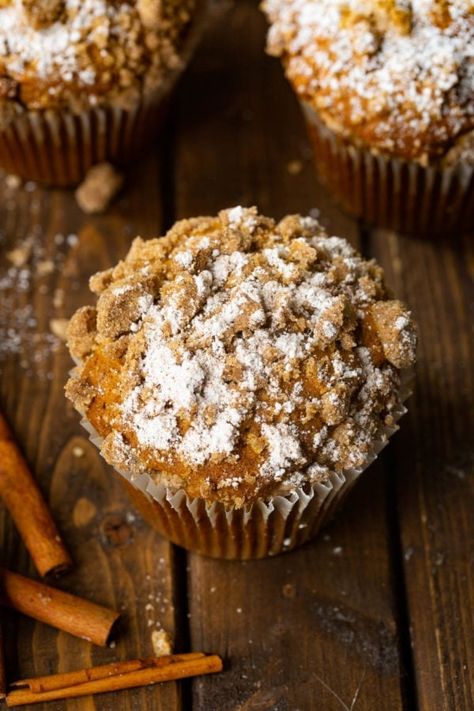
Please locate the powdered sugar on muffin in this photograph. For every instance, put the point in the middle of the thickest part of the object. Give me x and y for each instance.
(237, 357)
(77, 52)
(397, 75)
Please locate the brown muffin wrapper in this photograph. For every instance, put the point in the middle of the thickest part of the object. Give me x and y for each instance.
(263, 529)
(389, 192)
(57, 147)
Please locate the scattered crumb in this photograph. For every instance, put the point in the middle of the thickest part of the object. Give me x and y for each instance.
(58, 298)
(83, 512)
(45, 267)
(337, 550)
(162, 643)
(239, 610)
(24, 267)
(13, 182)
(20, 255)
(78, 451)
(98, 188)
(294, 167)
(58, 326)
(288, 590)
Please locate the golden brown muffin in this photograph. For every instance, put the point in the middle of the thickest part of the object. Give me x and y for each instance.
(394, 75)
(86, 83)
(70, 54)
(238, 358)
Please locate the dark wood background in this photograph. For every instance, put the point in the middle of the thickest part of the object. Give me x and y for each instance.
(375, 614)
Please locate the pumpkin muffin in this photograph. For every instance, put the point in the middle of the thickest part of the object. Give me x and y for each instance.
(84, 82)
(241, 373)
(387, 87)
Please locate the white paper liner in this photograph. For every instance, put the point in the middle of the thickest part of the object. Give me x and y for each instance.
(389, 192)
(265, 528)
(57, 147)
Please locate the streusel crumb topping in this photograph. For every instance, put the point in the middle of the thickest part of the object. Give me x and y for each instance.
(398, 75)
(237, 357)
(77, 52)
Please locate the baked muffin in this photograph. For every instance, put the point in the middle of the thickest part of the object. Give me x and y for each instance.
(85, 82)
(387, 87)
(241, 373)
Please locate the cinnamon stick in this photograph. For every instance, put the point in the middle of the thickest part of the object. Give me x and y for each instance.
(57, 608)
(41, 684)
(28, 509)
(142, 677)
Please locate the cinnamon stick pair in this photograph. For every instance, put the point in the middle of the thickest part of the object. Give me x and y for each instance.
(113, 677)
(31, 515)
(28, 509)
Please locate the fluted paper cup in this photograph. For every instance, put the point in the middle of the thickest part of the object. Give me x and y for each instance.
(389, 192)
(266, 528)
(57, 147)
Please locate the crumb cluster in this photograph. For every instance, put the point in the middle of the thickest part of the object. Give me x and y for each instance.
(101, 184)
(77, 53)
(397, 75)
(237, 357)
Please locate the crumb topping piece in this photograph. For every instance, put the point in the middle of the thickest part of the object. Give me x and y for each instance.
(76, 52)
(98, 189)
(237, 357)
(397, 75)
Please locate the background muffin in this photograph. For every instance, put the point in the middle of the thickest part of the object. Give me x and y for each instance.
(388, 90)
(84, 82)
(243, 369)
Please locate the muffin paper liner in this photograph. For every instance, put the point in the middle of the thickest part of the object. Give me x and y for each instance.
(57, 147)
(389, 192)
(265, 528)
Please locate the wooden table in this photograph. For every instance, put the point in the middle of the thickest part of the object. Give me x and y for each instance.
(375, 614)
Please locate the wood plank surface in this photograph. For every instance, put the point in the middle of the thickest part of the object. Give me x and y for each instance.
(433, 460)
(377, 613)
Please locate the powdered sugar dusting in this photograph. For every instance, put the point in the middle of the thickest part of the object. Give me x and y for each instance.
(397, 74)
(250, 367)
(79, 50)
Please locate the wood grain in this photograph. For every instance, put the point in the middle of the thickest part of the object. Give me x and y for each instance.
(433, 461)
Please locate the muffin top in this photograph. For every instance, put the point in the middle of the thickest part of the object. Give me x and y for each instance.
(396, 75)
(78, 53)
(238, 358)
